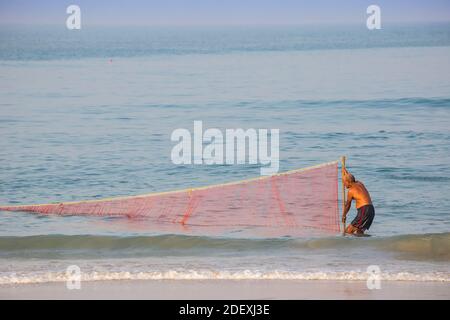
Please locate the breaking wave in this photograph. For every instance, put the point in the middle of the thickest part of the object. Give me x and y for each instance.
(415, 247)
(222, 275)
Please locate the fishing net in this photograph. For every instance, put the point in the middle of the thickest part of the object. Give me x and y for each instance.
(290, 203)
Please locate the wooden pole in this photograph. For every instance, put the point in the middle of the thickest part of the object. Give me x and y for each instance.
(343, 192)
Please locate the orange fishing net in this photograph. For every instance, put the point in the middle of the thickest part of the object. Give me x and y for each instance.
(284, 204)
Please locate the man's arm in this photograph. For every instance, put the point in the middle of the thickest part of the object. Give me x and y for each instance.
(344, 171)
(348, 205)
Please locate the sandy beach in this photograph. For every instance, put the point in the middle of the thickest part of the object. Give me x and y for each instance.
(226, 289)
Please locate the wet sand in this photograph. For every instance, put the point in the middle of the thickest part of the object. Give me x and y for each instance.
(228, 289)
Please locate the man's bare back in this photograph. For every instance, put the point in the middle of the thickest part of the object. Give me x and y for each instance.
(359, 192)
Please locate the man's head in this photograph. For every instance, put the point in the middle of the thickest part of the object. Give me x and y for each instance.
(349, 179)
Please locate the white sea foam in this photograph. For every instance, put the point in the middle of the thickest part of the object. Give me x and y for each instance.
(221, 275)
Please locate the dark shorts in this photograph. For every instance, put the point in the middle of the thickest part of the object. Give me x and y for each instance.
(364, 218)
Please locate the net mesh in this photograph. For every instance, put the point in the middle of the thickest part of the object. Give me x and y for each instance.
(291, 203)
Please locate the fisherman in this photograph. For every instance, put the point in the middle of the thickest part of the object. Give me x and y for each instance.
(366, 212)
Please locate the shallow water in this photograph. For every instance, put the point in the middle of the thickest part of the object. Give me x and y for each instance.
(75, 125)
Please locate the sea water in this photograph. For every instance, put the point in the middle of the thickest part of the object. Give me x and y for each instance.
(88, 114)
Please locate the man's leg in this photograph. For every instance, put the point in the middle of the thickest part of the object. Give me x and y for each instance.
(350, 229)
(353, 230)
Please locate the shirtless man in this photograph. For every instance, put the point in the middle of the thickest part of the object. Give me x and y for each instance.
(366, 212)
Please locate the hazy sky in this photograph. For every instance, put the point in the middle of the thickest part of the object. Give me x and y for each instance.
(221, 12)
